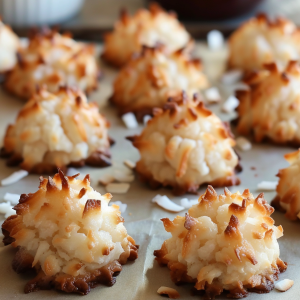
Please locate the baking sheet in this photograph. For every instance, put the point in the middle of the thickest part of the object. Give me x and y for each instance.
(141, 279)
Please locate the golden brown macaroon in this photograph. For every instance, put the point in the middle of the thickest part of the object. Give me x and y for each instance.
(57, 130)
(9, 45)
(69, 235)
(288, 189)
(145, 27)
(184, 146)
(153, 76)
(54, 60)
(224, 243)
(259, 41)
(270, 109)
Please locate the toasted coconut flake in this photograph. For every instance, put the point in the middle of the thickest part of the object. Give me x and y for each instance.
(146, 118)
(284, 285)
(9, 45)
(219, 247)
(144, 28)
(14, 177)
(166, 203)
(171, 293)
(230, 104)
(186, 203)
(130, 164)
(69, 235)
(53, 60)
(184, 146)
(130, 120)
(212, 94)
(232, 76)
(152, 77)
(57, 130)
(118, 188)
(260, 41)
(6, 209)
(122, 206)
(215, 40)
(106, 179)
(13, 199)
(267, 185)
(243, 143)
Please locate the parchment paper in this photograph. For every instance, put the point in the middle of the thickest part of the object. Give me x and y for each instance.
(141, 279)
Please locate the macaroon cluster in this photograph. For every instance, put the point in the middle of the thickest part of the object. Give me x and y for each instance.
(53, 60)
(224, 243)
(271, 108)
(288, 189)
(57, 130)
(184, 146)
(153, 76)
(9, 45)
(146, 27)
(69, 235)
(260, 40)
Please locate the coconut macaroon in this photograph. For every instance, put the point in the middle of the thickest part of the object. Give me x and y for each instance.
(260, 41)
(184, 146)
(288, 190)
(146, 27)
(57, 130)
(270, 109)
(153, 76)
(53, 59)
(69, 235)
(9, 45)
(224, 243)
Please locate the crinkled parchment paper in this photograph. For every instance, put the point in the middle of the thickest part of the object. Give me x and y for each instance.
(141, 279)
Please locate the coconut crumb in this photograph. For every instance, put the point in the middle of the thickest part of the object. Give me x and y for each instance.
(123, 176)
(13, 199)
(122, 206)
(186, 203)
(232, 76)
(171, 293)
(118, 188)
(212, 94)
(14, 177)
(230, 104)
(6, 209)
(166, 203)
(130, 164)
(243, 144)
(267, 185)
(130, 121)
(106, 179)
(284, 285)
(215, 40)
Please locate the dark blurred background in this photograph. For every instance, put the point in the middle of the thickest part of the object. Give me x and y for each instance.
(89, 19)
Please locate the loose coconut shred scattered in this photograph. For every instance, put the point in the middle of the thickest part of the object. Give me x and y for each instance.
(184, 146)
(224, 243)
(53, 59)
(146, 27)
(69, 235)
(57, 130)
(153, 76)
(270, 110)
